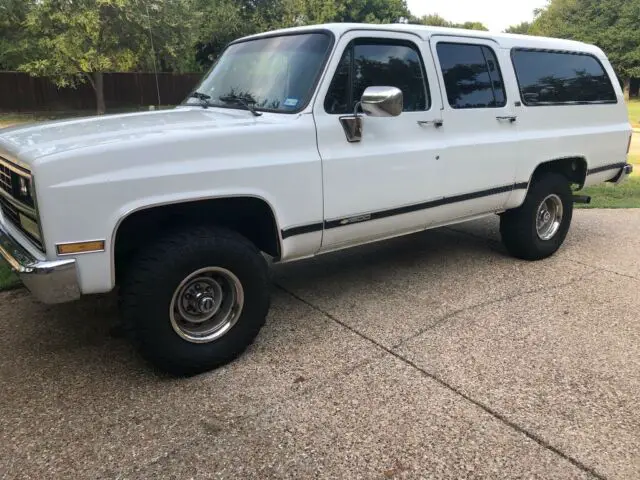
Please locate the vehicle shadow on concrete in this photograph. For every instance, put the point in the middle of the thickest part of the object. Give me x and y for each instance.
(90, 326)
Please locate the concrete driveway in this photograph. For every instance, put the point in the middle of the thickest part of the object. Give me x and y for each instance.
(431, 356)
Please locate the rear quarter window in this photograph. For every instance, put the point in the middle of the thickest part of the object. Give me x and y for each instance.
(471, 75)
(561, 78)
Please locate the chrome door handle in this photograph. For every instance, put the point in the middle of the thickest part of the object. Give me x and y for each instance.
(508, 118)
(436, 123)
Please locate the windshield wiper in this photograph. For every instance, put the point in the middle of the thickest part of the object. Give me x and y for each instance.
(246, 102)
(203, 97)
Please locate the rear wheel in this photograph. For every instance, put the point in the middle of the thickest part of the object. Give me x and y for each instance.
(196, 300)
(537, 229)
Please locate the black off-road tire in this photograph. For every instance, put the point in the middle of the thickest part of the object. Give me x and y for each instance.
(518, 226)
(154, 274)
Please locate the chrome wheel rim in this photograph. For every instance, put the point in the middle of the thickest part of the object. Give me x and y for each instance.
(206, 304)
(549, 217)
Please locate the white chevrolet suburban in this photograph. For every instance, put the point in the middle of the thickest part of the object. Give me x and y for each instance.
(299, 142)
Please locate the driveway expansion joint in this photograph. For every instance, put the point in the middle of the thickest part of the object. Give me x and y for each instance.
(498, 416)
(491, 302)
(604, 269)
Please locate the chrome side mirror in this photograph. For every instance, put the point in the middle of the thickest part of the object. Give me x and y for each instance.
(375, 102)
(382, 101)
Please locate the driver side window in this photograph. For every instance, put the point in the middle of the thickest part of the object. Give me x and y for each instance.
(378, 62)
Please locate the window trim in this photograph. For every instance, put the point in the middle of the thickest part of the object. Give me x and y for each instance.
(560, 104)
(380, 41)
(480, 45)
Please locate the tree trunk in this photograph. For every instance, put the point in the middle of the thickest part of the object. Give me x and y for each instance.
(627, 88)
(98, 86)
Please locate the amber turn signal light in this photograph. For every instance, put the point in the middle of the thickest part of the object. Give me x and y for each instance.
(80, 247)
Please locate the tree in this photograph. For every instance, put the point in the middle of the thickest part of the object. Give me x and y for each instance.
(522, 28)
(76, 41)
(12, 36)
(471, 26)
(226, 20)
(433, 20)
(436, 20)
(372, 11)
(610, 24)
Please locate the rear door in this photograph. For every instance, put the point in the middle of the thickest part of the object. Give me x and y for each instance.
(479, 123)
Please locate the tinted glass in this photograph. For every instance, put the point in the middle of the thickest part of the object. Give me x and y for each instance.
(496, 78)
(378, 64)
(277, 73)
(547, 78)
(471, 76)
(338, 98)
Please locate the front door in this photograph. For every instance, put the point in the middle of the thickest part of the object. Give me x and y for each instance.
(379, 187)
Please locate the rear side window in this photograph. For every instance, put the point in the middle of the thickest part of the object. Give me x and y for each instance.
(561, 78)
(472, 76)
(378, 62)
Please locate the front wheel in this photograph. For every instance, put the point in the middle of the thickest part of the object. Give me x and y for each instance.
(195, 300)
(537, 229)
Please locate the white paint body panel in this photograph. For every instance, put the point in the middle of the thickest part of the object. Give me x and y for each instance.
(91, 173)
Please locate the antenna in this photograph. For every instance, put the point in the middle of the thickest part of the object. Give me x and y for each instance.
(153, 51)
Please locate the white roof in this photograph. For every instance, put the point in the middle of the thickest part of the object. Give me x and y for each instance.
(505, 40)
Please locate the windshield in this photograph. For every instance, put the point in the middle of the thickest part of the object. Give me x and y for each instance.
(274, 73)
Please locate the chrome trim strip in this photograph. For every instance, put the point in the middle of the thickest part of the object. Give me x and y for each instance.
(27, 210)
(16, 167)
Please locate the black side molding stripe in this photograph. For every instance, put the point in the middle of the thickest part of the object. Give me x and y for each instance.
(315, 227)
(301, 230)
(416, 207)
(605, 168)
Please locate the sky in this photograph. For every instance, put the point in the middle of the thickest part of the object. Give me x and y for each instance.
(495, 14)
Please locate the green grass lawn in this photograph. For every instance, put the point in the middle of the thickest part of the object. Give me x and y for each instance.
(9, 119)
(634, 112)
(625, 195)
(7, 278)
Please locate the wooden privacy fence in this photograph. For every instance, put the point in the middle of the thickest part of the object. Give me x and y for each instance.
(19, 92)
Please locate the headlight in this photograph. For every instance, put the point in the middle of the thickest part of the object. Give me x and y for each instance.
(23, 189)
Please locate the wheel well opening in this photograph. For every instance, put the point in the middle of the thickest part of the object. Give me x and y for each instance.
(249, 216)
(573, 168)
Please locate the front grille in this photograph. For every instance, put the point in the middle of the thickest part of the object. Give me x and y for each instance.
(9, 211)
(11, 204)
(5, 179)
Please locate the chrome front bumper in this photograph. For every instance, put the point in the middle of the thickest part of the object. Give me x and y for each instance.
(49, 282)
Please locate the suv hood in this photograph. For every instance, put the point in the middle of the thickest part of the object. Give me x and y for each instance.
(29, 143)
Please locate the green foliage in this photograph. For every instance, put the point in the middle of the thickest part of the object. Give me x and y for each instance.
(610, 24)
(372, 11)
(12, 38)
(226, 20)
(73, 38)
(74, 41)
(522, 28)
(435, 20)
